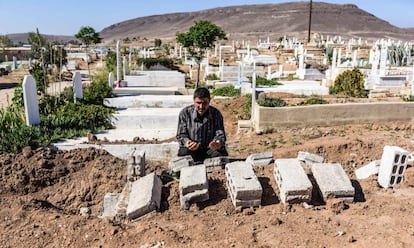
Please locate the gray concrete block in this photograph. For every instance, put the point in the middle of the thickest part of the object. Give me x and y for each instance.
(243, 183)
(260, 159)
(216, 163)
(110, 204)
(368, 170)
(195, 196)
(136, 164)
(293, 183)
(193, 178)
(176, 164)
(393, 165)
(309, 158)
(333, 182)
(145, 196)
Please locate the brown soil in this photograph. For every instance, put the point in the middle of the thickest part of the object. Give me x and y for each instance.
(42, 192)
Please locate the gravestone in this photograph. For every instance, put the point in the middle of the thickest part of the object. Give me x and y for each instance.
(77, 86)
(31, 103)
(111, 79)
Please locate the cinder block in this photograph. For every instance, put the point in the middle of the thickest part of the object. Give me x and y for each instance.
(178, 163)
(333, 181)
(145, 196)
(243, 185)
(193, 178)
(260, 159)
(193, 185)
(368, 170)
(136, 164)
(216, 163)
(309, 158)
(110, 204)
(393, 165)
(293, 183)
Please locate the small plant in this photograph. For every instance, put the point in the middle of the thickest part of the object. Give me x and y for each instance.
(149, 62)
(226, 91)
(271, 102)
(212, 77)
(261, 81)
(313, 100)
(409, 98)
(349, 83)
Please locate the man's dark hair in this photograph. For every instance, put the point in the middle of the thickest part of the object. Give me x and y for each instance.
(201, 93)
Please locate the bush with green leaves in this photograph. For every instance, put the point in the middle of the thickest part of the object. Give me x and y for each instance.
(313, 100)
(349, 83)
(271, 102)
(261, 81)
(226, 91)
(150, 62)
(212, 76)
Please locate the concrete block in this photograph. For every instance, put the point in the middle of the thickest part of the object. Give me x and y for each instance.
(136, 164)
(178, 163)
(110, 204)
(260, 159)
(333, 182)
(393, 165)
(293, 183)
(216, 163)
(368, 170)
(309, 158)
(243, 185)
(193, 185)
(145, 196)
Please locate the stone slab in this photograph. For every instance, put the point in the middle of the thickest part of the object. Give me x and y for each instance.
(176, 164)
(368, 170)
(260, 159)
(309, 158)
(145, 196)
(333, 182)
(110, 204)
(149, 101)
(195, 196)
(216, 163)
(293, 183)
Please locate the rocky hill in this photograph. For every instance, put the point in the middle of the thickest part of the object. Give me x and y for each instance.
(262, 21)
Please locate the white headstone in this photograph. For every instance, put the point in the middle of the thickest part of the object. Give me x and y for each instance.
(118, 61)
(31, 103)
(14, 63)
(125, 66)
(77, 86)
(333, 67)
(383, 60)
(111, 79)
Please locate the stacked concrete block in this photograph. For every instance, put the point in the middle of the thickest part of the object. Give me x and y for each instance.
(216, 163)
(293, 183)
(393, 165)
(136, 165)
(243, 185)
(260, 159)
(309, 158)
(193, 185)
(367, 170)
(178, 163)
(333, 182)
(144, 197)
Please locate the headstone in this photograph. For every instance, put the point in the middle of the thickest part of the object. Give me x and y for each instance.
(111, 79)
(383, 60)
(14, 63)
(118, 61)
(77, 86)
(31, 103)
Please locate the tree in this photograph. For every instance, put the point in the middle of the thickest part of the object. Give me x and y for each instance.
(157, 42)
(200, 37)
(88, 36)
(350, 83)
(5, 41)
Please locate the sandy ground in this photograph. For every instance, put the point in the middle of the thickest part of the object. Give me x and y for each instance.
(42, 192)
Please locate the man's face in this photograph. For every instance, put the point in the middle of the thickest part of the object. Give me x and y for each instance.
(201, 104)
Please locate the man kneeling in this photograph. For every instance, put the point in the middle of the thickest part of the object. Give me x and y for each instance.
(200, 131)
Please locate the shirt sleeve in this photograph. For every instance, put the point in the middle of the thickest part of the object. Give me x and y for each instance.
(182, 131)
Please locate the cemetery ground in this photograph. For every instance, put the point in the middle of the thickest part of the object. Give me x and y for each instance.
(43, 191)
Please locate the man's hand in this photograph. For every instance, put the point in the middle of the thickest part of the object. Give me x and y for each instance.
(192, 146)
(214, 145)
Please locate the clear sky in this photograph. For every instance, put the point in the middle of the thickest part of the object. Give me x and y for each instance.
(65, 17)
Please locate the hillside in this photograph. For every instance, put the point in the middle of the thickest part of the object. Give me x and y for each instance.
(262, 21)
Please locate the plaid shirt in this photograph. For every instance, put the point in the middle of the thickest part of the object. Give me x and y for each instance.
(202, 129)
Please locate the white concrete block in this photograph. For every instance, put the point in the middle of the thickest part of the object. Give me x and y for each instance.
(178, 163)
(260, 159)
(393, 165)
(368, 170)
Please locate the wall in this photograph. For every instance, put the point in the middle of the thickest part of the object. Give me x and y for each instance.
(266, 118)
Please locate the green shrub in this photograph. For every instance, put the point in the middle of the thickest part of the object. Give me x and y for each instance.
(261, 81)
(149, 62)
(271, 102)
(313, 100)
(246, 113)
(226, 91)
(408, 98)
(349, 83)
(212, 77)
